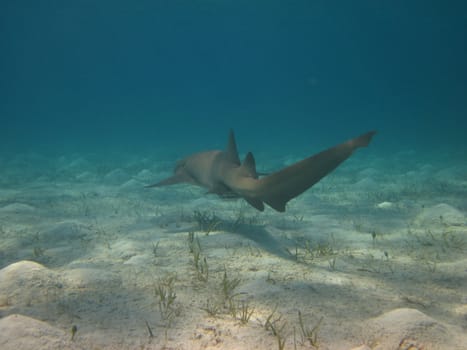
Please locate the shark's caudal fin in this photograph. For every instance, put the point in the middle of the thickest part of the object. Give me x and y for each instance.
(280, 187)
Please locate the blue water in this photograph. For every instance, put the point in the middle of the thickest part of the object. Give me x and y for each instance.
(99, 98)
(118, 75)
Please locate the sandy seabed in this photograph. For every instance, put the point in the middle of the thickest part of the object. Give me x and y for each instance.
(372, 257)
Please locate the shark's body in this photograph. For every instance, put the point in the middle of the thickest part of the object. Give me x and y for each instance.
(222, 173)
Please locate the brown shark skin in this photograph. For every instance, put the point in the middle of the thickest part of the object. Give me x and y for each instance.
(221, 173)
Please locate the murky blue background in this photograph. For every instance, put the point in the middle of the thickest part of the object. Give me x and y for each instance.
(287, 75)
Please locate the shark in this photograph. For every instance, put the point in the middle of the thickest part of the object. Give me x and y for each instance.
(222, 173)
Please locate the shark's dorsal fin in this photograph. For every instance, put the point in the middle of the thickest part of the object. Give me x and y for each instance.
(249, 164)
(231, 151)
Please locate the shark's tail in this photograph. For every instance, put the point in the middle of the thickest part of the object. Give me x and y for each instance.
(362, 140)
(280, 187)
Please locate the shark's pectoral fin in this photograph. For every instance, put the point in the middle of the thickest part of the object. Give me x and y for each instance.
(257, 203)
(222, 191)
(277, 203)
(175, 179)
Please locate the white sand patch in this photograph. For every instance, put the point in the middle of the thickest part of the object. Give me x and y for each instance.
(24, 283)
(17, 208)
(75, 165)
(458, 172)
(410, 327)
(19, 332)
(23, 269)
(368, 172)
(85, 176)
(140, 260)
(367, 184)
(145, 175)
(64, 231)
(116, 176)
(125, 249)
(132, 185)
(90, 278)
(106, 249)
(385, 205)
(441, 214)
